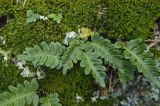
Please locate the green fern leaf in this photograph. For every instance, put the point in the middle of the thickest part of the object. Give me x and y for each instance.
(93, 65)
(48, 55)
(21, 95)
(134, 51)
(107, 51)
(70, 56)
(50, 100)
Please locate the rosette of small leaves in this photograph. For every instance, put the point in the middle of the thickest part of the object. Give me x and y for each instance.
(56, 17)
(45, 54)
(21, 95)
(31, 16)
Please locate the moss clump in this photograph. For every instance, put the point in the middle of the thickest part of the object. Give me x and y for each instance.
(68, 85)
(130, 19)
(9, 75)
(19, 34)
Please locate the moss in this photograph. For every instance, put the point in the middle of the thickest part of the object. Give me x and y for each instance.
(130, 19)
(9, 75)
(68, 85)
(19, 34)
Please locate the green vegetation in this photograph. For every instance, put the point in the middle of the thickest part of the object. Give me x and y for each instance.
(91, 55)
(130, 19)
(27, 94)
(122, 19)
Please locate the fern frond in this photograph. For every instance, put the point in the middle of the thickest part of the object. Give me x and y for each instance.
(134, 51)
(106, 50)
(48, 55)
(50, 100)
(127, 74)
(21, 95)
(70, 56)
(93, 65)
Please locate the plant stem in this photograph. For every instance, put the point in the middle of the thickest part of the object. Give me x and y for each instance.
(110, 82)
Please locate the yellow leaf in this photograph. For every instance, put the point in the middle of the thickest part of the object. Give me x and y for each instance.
(86, 32)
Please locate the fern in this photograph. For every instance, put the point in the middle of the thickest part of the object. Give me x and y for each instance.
(48, 55)
(92, 55)
(134, 51)
(70, 56)
(50, 100)
(93, 65)
(106, 50)
(21, 95)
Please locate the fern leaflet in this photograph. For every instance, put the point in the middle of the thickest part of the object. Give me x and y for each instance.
(70, 56)
(50, 100)
(49, 55)
(21, 95)
(106, 50)
(93, 65)
(134, 51)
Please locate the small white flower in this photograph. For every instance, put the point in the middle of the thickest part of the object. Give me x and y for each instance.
(69, 36)
(93, 99)
(43, 18)
(26, 72)
(79, 98)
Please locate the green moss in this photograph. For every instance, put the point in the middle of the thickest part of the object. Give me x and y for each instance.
(130, 19)
(68, 85)
(9, 75)
(19, 34)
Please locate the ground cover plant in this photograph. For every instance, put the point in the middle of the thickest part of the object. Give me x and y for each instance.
(91, 55)
(89, 52)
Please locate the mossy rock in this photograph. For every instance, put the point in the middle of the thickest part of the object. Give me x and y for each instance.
(122, 19)
(20, 34)
(128, 19)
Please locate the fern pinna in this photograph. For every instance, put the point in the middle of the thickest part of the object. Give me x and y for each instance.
(143, 60)
(26, 95)
(48, 55)
(21, 95)
(93, 55)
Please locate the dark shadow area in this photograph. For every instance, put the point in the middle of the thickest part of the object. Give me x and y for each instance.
(3, 21)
